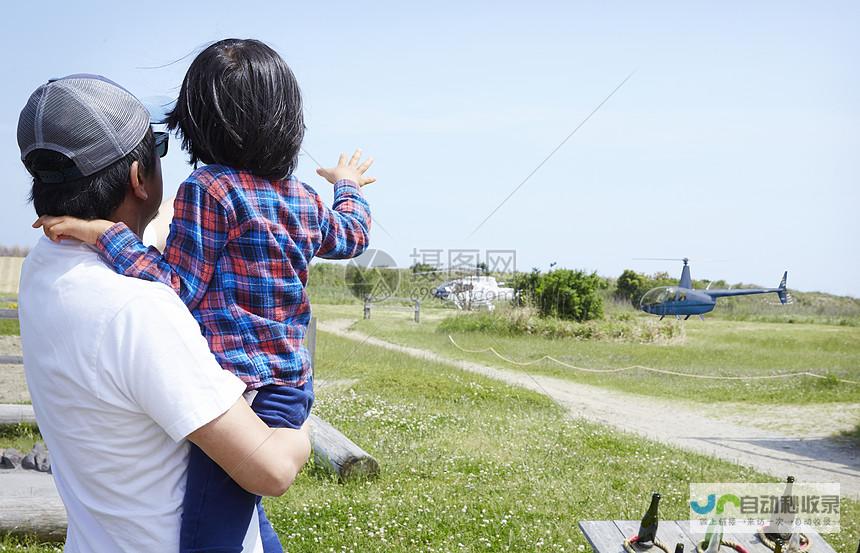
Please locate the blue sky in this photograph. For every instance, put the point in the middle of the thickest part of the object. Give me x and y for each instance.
(736, 140)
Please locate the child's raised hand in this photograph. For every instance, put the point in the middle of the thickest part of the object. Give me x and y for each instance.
(57, 228)
(348, 170)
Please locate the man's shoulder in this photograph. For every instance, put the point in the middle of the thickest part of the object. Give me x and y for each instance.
(78, 283)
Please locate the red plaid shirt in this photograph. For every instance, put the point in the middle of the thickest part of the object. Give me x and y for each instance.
(238, 255)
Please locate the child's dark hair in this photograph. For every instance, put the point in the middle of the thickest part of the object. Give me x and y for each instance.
(241, 106)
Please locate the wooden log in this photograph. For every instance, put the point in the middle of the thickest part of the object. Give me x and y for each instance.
(16, 414)
(338, 455)
(8, 313)
(33, 516)
(30, 505)
(333, 451)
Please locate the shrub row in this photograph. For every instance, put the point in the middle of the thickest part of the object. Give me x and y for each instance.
(525, 322)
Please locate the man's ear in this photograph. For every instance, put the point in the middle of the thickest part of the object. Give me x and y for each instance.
(136, 182)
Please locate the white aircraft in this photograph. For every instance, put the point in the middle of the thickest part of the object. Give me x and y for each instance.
(473, 292)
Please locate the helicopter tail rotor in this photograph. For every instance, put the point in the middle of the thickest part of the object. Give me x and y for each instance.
(782, 291)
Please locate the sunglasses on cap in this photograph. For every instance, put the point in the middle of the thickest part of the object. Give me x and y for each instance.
(161, 142)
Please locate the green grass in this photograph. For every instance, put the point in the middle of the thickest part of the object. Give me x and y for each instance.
(21, 436)
(9, 327)
(713, 347)
(467, 460)
(27, 545)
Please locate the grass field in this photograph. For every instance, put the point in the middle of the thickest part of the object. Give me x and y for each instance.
(9, 327)
(712, 347)
(469, 464)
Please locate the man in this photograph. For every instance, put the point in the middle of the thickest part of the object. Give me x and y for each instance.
(117, 368)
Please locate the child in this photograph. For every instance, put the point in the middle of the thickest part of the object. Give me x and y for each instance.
(243, 233)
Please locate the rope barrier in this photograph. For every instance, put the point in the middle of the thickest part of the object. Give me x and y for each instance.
(631, 543)
(642, 367)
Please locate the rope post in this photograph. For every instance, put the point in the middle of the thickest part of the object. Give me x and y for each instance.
(417, 310)
(367, 307)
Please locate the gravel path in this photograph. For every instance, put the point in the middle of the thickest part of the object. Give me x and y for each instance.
(809, 458)
(13, 386)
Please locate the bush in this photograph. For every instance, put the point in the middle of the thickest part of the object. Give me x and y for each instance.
(562, 293)
(525, 285)
(525, 322)
(630, 286)
(570, 295)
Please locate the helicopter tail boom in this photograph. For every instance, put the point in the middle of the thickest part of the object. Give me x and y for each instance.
(781, 291)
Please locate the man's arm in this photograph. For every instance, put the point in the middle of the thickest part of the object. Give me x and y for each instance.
(154, 354)
(263, 460)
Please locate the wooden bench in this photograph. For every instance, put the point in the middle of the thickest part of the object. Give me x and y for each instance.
(607, 536)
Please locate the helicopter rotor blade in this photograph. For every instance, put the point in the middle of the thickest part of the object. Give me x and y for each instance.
(658, 259)
(688, 259)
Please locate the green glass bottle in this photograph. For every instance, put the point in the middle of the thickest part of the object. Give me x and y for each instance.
(713, 538)
(648, 526)
(783, 523)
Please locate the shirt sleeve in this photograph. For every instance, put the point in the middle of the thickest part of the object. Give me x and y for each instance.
(198, 233)
(345, 227)
(156, 356)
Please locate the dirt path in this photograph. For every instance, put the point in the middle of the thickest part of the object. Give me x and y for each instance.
(811, 459)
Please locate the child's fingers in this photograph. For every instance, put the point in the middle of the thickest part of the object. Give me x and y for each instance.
(368, 180)
(366, 165)
(341, 161)
(52, 232)
(55, 229)
(355, 157)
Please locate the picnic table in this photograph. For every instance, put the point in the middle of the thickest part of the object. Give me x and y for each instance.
(607, 536)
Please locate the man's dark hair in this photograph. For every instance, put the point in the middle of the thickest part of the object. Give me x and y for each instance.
(240, 106)
(92, 197)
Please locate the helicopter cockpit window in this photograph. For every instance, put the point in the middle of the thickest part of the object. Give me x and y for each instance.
(658, 295)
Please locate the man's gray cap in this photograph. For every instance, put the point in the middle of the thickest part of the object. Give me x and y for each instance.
(88, 118)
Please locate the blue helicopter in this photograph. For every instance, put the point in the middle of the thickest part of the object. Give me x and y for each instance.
(683, 300)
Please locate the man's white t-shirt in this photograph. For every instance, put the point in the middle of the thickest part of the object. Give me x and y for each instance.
(119, 375)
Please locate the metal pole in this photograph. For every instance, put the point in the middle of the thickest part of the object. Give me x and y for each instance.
(417, 311)
(367, 307)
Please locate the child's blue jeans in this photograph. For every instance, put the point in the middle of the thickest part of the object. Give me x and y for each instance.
(216, 511)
